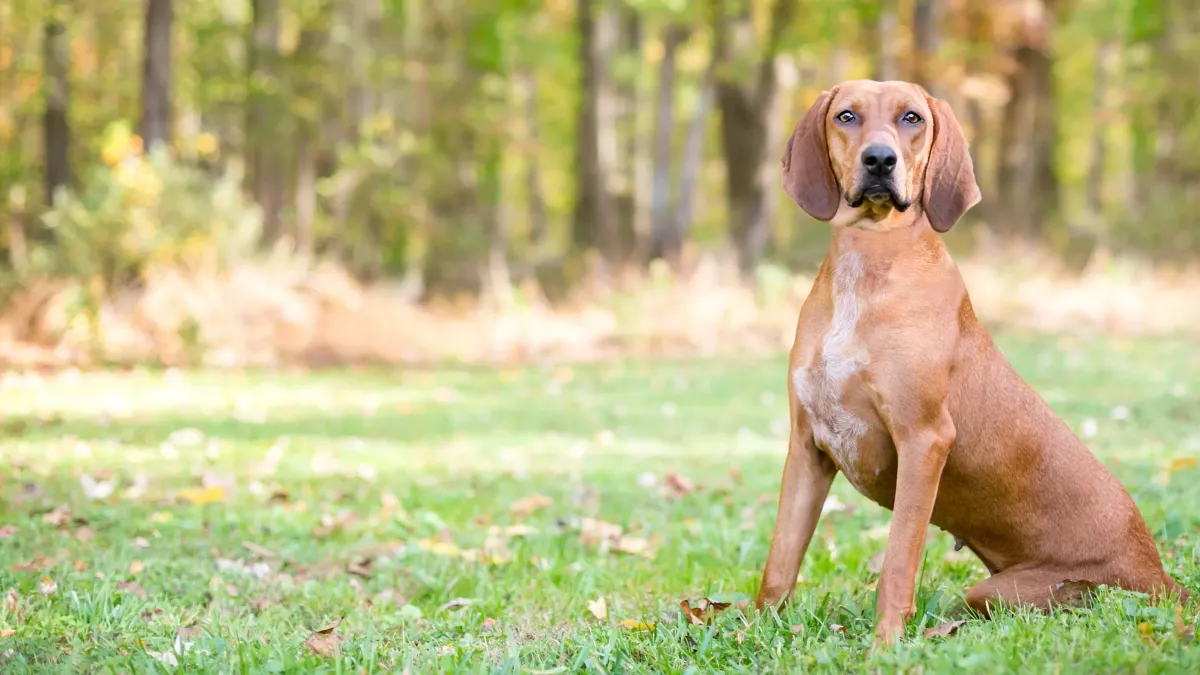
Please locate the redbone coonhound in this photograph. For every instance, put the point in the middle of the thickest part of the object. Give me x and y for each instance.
(895, 383)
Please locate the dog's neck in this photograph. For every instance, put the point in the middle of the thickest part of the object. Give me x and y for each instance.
(885, 239)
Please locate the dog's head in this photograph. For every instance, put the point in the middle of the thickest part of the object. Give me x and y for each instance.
(878, 147)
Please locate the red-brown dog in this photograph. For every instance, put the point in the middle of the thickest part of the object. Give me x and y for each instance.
(895, 383)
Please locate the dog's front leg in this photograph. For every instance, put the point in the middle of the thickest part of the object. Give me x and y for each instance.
(921, 451)
(807, 475)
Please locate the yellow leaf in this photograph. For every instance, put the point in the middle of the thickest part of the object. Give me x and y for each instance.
(634, 624)
(161, 517)
(137, 567)
(208, 495)
(439, 547)
(1182, 463)
(598, 608)
(47, 586)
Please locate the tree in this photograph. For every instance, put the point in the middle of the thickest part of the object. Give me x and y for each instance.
(56, 124)
(746, 103)
(156, 73)
(263, 142)
(595, 220)
(1026, 180)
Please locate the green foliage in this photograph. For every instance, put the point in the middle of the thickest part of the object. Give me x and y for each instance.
(142, 211)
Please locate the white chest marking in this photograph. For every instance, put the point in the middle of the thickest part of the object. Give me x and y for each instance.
(819, 386)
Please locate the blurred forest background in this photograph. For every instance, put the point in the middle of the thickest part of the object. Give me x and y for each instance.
(255, 180)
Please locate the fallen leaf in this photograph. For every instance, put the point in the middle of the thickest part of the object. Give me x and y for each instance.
(837, 628)
(47, 586)
(1146, 633)
(634, 624)
(7, 531)
(190, 632)
(360, 567)
(1182, 463)
(39, 563)
(947, 629)
(524, 507)
(12, 601)
(324, 642)
(97, 489)
(678, 486)
(141, 542)
(489, 625)
(259, 550)
(439, 547)
(131, 587)
(632, 545)
(137, 567)
(166, 658)
(7, 633)
(598, 608)
(58, 517)
(593, 532)
(704, 612)
(198, 496)
(84, 534)
(456, 603)
(80, 566)
(797, 629)
(1184, 632)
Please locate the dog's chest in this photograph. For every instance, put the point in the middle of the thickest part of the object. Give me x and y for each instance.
(820, 384)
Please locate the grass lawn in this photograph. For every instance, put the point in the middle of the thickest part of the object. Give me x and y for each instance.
(465, 519)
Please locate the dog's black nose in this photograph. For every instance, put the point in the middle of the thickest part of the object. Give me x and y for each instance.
(879, 160)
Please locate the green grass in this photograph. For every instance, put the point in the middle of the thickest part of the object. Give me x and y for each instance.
(318, 472)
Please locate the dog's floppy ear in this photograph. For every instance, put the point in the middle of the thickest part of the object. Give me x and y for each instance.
(807, 176)
(950, 187)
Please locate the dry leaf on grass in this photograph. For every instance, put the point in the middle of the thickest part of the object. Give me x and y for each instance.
(259, 550)
(214, 494)
(489, 625)
(137, 567)
(634, 624)
(704, 612)
(1182, 463)
(361, 568)
(678, 486)
(456, 603)
(1184, 632)
(598, 608)
(7, 531)
(131, 587)
(47, 586)
(7, 633)
(323, 641)
(524, 507)
(947, 629)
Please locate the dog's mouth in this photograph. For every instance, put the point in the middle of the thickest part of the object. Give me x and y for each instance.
(878, 194)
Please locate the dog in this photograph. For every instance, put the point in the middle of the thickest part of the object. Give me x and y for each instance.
(894, 382)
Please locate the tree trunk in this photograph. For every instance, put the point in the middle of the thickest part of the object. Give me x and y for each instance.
(925, 45)
(692, 159)
(538, 227)
(884, 42)
(665, 238)
(56, 127)
(156, 74)
(632, 214)
(266, 166)
(595, 222)
(1026, 182)
(745, 117)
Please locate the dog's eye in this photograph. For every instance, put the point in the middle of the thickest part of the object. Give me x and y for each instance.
(845, 117)
(911, 117)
